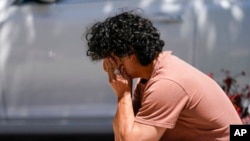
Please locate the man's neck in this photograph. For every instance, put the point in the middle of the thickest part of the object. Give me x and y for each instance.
(146, 71)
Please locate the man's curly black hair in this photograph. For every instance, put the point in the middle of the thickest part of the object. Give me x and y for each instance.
(124, 34)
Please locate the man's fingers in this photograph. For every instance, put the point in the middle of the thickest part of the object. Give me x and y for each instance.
(114, 72)
(105, 68)
(123, 72)
(113, 64)
(110, 70)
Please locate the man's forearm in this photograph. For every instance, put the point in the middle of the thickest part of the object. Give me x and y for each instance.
(124, 118)
(115, 128)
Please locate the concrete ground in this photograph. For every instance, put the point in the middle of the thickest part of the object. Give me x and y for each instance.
(59, 137)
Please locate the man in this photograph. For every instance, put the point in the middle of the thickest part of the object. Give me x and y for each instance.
(172, 101)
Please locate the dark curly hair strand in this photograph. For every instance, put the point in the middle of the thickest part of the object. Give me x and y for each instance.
(124, 34)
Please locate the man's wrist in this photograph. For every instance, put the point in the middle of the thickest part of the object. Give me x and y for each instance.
(126, 94)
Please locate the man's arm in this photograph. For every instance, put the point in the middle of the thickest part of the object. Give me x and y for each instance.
(126, 129)
(115, 128)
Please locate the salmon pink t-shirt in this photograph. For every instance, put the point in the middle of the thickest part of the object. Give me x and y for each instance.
(185, 101)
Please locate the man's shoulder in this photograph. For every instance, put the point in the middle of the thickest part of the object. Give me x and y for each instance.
(165, 84)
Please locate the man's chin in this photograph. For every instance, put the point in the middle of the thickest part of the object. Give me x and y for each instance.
(132, 76)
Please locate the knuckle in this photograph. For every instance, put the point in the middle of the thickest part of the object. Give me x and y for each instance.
(112, 81)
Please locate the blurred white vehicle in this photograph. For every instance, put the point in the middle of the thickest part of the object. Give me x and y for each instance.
(48, 85)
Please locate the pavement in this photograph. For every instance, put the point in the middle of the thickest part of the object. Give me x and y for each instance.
(59, 137)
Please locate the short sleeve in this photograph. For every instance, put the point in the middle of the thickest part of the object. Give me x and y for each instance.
(162, 102)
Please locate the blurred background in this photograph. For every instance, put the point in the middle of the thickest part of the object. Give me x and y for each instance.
(49, 87)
